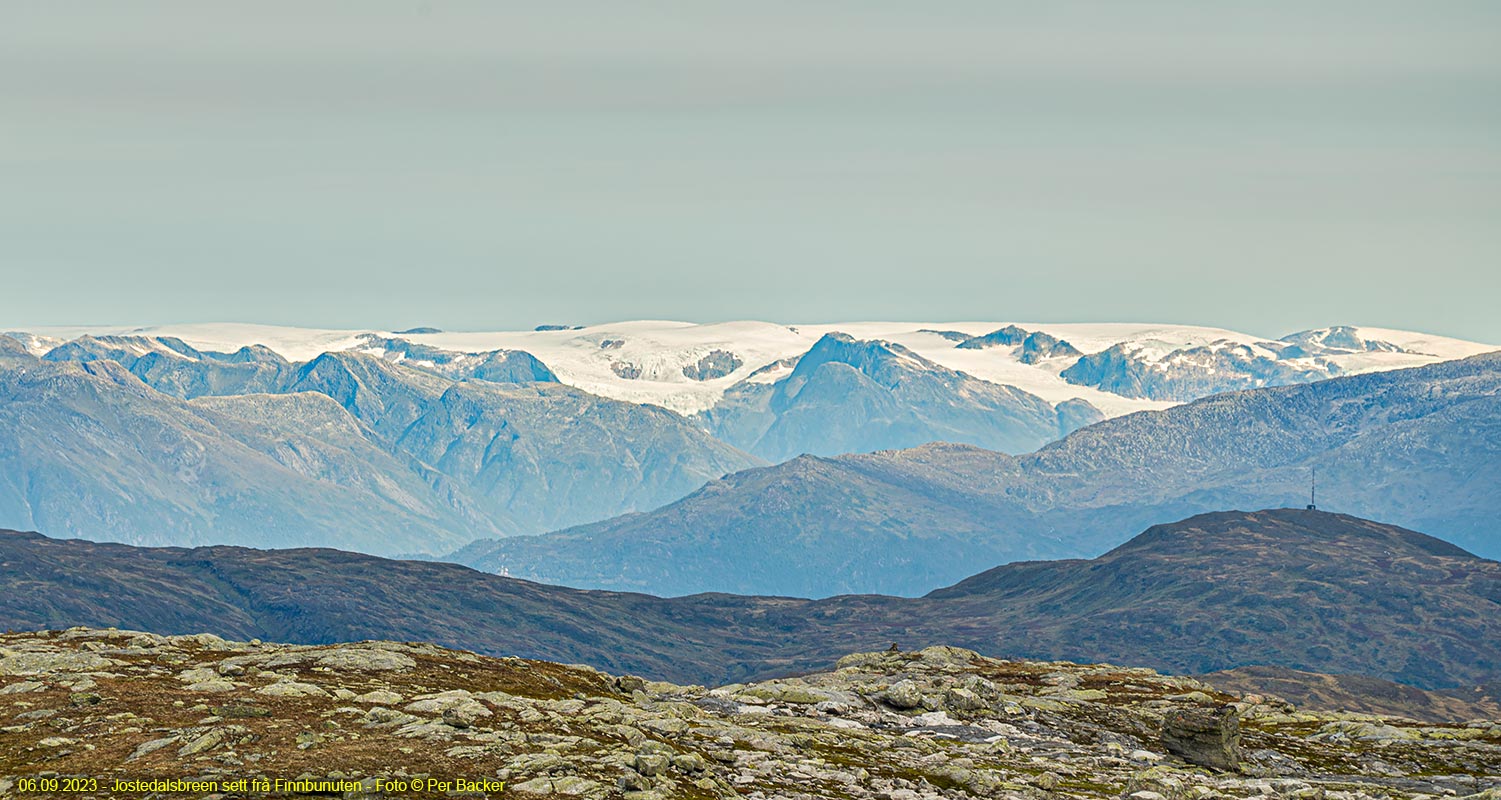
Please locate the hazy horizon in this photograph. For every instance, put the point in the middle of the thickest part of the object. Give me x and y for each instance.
(78, 329)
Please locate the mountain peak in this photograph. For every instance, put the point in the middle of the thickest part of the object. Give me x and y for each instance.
(874, 358)
(1336, 339)
(1308, 530)
(13, 351)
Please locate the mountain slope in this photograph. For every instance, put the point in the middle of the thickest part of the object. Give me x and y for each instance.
(1314, 588)
(545, 455)
(351, 449)
(851, 396)
(1146, 368)
(528, 456)
(1358, 693)
(466, 416)
(1300, 589)
(1421, 447)
(90, 448)
(809, 527)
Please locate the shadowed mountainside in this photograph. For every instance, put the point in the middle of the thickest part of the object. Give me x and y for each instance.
(1301, 589)
(1359, 693)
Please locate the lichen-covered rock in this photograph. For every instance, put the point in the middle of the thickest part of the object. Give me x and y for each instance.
(714, 365)
(1207, 737)
(198, 675)
(651, 764)
(366, 659)
(796, 694)
(438, 702)
(148, 747)
(566, 786)
(380, 697)
(47, 661)
(465, 714)
(947, 658)
(1363, 730)
(903, 694)
(292, 689)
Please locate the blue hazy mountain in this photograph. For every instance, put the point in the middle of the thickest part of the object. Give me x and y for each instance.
(530, 456)
(90, 449)
(150, 441)
(1420, 447)
(849, 396)
(488, 444)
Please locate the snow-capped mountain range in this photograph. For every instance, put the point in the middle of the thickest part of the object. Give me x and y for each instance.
(1116, 367)
(420, 440)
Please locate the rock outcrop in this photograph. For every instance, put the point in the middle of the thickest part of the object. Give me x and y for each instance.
(1208, 737)
(714, 365)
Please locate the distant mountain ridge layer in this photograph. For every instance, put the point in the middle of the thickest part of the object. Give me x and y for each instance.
(151, 441)
(452, 445)
(436, 439)
(1420, 447)
(1118, 368)
(1300, 589)
(844, 395)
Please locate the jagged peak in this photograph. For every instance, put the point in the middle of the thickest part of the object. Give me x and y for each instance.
(869, 356)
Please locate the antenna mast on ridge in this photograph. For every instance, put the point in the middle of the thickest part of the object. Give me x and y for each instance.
(1313, 490)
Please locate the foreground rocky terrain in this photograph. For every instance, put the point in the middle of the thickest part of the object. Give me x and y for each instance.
(939, 723)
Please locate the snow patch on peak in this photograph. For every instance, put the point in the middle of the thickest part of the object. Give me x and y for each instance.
(664, 355)
(1340, 339)
(34, 344)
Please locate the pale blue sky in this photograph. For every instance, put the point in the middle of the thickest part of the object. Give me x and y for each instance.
(1264, 166)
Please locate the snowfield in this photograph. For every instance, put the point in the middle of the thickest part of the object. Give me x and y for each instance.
(644, 361)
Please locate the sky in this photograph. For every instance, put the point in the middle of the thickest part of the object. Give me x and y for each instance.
(1267, 166)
